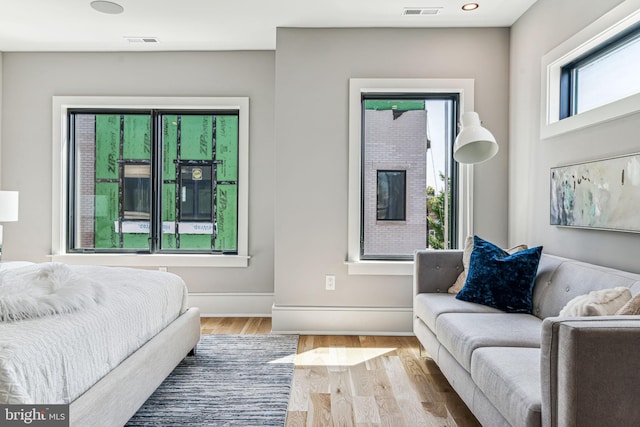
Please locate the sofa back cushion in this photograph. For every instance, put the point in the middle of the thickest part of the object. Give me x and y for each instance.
(559, 280)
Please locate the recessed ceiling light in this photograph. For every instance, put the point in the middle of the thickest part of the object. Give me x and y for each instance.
(107, 7)
(470, 6)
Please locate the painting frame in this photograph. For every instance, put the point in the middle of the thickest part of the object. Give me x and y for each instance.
(599, 194)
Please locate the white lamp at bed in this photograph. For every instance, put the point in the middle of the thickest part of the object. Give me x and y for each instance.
(8, 210)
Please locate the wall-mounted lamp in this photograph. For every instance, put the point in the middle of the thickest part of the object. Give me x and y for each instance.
(8, 210)
(474, 144)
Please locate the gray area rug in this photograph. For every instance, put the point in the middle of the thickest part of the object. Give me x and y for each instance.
(233, 380)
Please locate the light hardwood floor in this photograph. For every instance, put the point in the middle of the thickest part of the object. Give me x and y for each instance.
(360, 380)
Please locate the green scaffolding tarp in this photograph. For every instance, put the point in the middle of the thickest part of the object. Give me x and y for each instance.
(226, 217)
(136, 145)
(203, 138)
(390, 104)
(197, 138)
(106, 214)
(107, 146)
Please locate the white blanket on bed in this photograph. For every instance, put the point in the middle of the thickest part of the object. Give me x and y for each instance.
(54, 359)
(37, 290)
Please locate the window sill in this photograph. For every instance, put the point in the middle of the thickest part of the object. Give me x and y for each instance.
(155, 260)
(380, 268)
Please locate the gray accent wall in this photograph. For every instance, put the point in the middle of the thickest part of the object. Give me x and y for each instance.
(30, 80)
(547, 24)
(313, 68)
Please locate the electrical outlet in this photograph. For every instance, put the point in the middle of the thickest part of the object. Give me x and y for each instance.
(162, 268)
(330, 282)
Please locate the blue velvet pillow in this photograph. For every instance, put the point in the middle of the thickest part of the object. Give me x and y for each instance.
(500, 280)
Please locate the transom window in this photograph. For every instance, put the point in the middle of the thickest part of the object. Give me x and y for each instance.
(602, 75)
(591, 77)
(153, 181)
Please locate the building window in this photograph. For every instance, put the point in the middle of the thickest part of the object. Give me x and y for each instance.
(391, 190)
(604, 74)
(153, 181)
(195, 193)
(407, 167)
(137, 192)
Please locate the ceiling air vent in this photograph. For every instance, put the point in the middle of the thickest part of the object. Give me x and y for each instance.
(142, 39)
(417, 11)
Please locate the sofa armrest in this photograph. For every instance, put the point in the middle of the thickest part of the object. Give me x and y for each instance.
(436, 270)
(589, 368)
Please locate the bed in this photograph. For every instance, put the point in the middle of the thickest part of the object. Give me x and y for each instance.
(101, 339)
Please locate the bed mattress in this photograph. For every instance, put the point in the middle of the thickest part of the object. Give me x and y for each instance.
(55, 358)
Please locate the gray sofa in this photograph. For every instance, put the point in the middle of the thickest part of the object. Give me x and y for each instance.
(532, 369)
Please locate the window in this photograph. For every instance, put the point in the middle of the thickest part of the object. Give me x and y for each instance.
(407, 168)
(159, 178)
(391, 195)
(591, 77)
(137, 192)
(603, 75)
(188, 205)
(437, 190)
(195, 193)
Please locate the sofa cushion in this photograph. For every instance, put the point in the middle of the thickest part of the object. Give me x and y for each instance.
(500, 280)
(462, 333)
(429, 306)
(510, 378)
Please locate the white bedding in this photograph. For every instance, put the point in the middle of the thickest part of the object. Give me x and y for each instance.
(54, 359)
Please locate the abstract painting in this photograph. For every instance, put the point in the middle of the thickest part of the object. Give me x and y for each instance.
(602, 194)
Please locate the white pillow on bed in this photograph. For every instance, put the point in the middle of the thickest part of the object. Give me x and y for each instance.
(37, 290)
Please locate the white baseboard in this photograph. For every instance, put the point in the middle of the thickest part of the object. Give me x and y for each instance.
(232, 304)
(342, 320)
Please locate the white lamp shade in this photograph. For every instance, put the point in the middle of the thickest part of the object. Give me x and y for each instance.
(8, 206)
(474, 143)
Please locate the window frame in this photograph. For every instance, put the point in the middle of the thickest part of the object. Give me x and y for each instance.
(568, 73)
(359, 87)
(60, 203)
(598, 35)
(451, 232)
(156, 119)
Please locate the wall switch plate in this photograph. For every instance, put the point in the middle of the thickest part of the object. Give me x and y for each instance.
(330, 282)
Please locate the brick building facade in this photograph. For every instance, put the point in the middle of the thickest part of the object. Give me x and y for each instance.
(395, 141)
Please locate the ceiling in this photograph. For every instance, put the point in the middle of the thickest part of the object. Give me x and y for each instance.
(72, 25)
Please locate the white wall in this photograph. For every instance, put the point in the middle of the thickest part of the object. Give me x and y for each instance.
(30, 80)
(1, 121)
(547, 24)
(313, 68)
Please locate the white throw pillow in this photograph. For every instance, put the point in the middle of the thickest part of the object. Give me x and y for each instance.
(632, 307)
(597, 303)
(466, 258)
